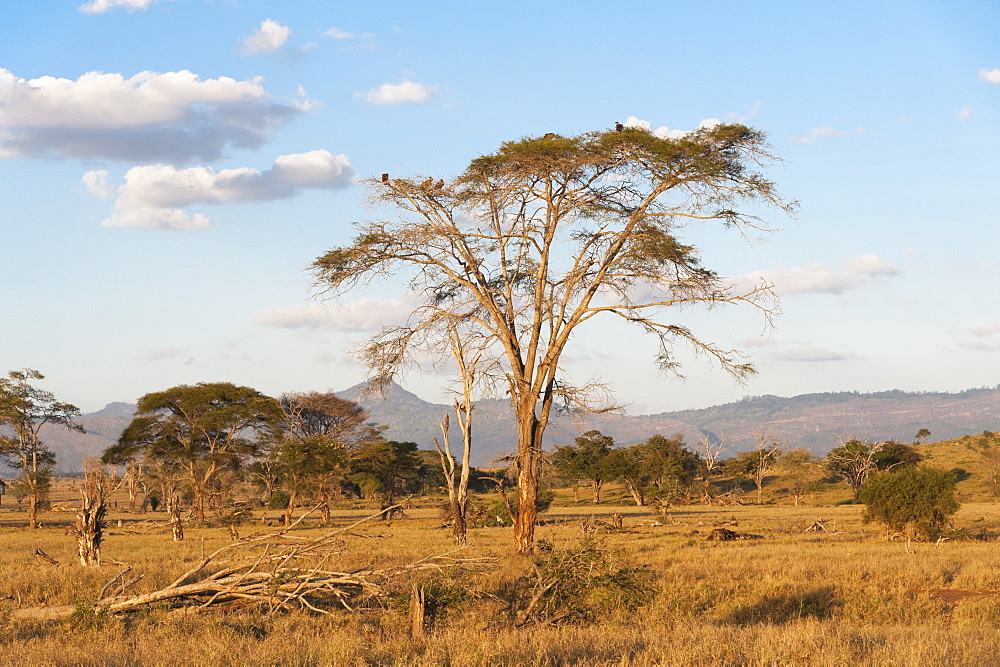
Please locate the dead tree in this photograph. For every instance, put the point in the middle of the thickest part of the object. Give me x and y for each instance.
(267, 573)
(89, 525)
(174, 512)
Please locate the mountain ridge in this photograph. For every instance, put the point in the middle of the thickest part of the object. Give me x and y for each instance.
(814, 421)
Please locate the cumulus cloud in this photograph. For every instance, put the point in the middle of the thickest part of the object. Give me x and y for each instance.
(390, 94)
(664, 132)
(97, 184)
(171, 116)
(820, 277)
(101, 6)
(991, 75)
(155, 195)
(362, 315)
(270, 36)
(826, 132)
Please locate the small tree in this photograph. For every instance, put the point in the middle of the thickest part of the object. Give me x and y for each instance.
(587, 459)
(800, 466)
(758, 463)
(24, 410)
(856, 458)
(385, 469)
(987, 446)
(918, 498)
(321, 432)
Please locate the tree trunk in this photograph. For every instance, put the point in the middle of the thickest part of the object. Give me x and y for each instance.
(636, 493)
(529, 458)
(598, 484)
(576, 490)
(292, 497)
(89, 528)
(459, 526)
(32, 509)
(174, 511)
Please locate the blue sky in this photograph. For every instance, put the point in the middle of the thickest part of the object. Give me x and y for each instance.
(168, 168)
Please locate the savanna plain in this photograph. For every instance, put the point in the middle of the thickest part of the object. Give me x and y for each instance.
(654, 591)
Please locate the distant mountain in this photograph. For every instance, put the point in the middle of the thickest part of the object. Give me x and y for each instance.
(813, 421)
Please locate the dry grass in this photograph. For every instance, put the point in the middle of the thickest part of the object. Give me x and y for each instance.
(848, 596)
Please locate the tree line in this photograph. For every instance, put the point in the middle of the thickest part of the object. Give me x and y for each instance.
(192, 445)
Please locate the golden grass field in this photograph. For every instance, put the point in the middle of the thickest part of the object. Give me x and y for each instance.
(848, 596)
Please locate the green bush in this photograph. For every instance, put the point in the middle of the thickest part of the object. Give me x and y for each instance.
(916, 497)
(279, 500)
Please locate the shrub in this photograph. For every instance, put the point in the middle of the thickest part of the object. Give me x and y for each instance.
(918, 497)
(279, 500)
(583, 583)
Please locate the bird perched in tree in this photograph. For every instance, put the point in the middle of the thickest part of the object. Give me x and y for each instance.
(618, 126)
(428, 182)
(549, 135)
(439, 185)
(385, 178)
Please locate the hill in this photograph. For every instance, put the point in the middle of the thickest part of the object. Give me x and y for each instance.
(814, 421)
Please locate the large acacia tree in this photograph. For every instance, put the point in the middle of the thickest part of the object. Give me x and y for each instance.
(536, 239)
(201, 430)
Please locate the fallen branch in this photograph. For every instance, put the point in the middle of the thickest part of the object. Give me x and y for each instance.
(265, 574)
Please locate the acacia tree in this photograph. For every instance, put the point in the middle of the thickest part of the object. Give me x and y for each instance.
(535, 240)
(204, 430)
(856, 458)
(24, 410)
(321, 433)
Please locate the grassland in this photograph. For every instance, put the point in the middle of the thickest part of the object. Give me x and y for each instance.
(845, 596)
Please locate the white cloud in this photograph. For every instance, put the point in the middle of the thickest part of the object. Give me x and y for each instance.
(405, 92)
(174, 116)
(270, 36)
(166, 354)
(337, 33)
(964, 114)
(985, 330)
(101, 6)
(811, 354)
(97, 184)
(991, 75)
(664, 132)
(362, 315)
(153, 195)
(819, 277)
(826, 132)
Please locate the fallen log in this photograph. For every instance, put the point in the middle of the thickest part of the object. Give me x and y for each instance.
(266, 574)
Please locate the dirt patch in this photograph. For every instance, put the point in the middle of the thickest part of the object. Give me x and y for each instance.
(958, 595)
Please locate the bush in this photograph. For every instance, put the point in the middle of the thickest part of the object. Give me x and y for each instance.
(279, 500)
(916, 497)
(498, 513)
(581, 584)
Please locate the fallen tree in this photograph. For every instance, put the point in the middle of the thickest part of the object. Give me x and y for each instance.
(266, 573)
